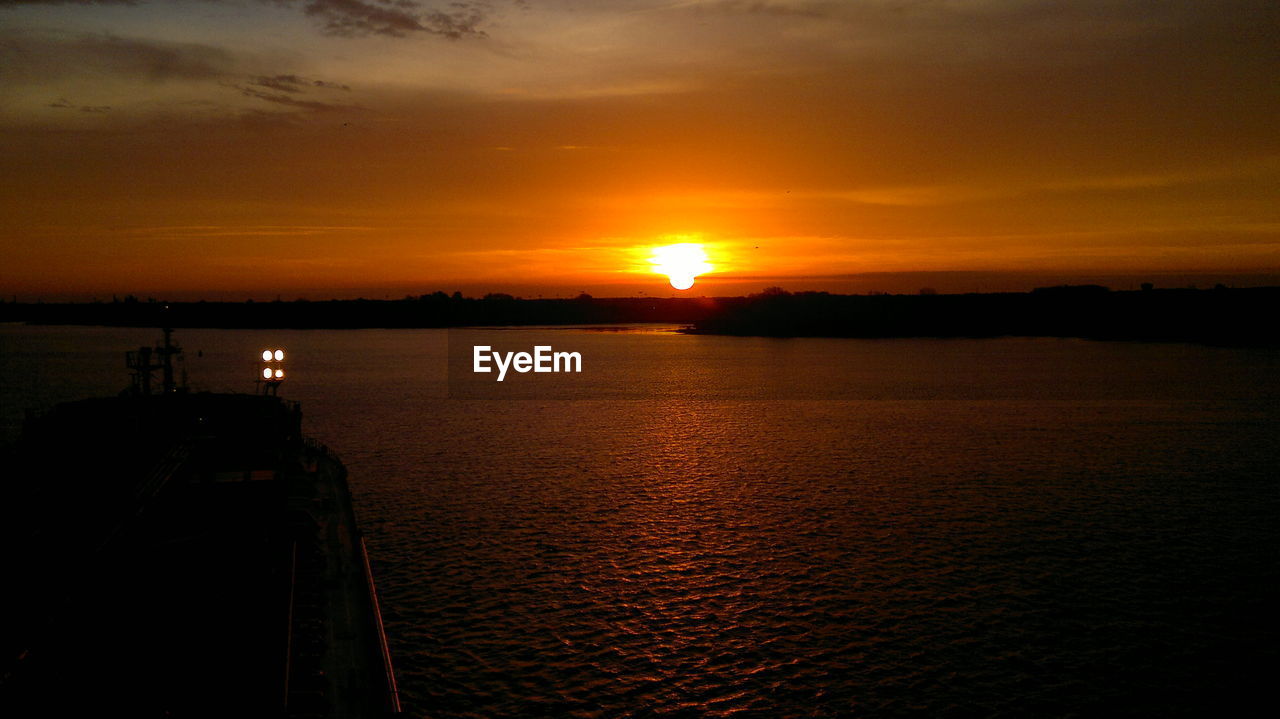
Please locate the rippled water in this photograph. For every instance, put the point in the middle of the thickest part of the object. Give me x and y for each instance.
(996, 552)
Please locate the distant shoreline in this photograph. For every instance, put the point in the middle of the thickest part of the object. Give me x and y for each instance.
(1219, 316)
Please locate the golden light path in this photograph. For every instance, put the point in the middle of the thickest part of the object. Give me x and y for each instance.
(681, 263)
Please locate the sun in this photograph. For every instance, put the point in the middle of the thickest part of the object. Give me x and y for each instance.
(681, 263)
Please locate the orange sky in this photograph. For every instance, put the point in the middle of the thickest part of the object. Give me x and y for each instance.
(235, 149)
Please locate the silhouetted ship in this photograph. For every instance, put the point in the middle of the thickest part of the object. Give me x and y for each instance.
(182, 554)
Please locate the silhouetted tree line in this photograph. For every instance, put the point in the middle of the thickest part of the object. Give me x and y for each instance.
(1218, 316)
(433, 310)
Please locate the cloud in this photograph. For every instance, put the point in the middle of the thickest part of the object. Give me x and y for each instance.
(768, 7)
(351, 18)
(395, 18)
(42, 56)
(68, 2)
(123, 70)
(294, 84)
(288, 90)
(63, 103)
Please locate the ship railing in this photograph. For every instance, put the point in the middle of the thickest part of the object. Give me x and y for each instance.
(314, 445)
(288, 636)
(150, 485)
(389, 674)
(163, 471)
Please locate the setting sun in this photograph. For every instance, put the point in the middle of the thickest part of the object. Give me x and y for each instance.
(681, 263)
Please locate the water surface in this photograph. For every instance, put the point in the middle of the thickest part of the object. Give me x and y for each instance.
(972, 527)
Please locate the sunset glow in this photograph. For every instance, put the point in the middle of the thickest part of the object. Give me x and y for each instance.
(263, 149)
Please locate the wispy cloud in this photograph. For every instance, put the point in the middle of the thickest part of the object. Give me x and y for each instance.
(290, 91)
(120, 66)
(68, 2)
(396, 18)
(50, 55)
(350, 18)
(63, 103)
(295, 84)
(806, 8)
(223, 231)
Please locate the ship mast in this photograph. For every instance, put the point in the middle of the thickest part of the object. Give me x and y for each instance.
(147, 360)
(166, 357)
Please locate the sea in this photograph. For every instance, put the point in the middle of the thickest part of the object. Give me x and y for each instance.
(706, 526)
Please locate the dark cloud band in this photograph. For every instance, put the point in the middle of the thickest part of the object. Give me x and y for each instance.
(350, 18)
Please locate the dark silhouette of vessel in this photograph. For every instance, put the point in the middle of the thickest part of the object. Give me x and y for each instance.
(182, 554)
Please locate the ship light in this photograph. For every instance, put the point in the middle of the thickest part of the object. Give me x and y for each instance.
(272, 372)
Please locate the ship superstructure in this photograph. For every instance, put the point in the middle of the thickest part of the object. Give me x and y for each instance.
(175, 553)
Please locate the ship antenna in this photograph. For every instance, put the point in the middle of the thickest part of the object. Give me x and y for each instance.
(167, 352)
(168, 360)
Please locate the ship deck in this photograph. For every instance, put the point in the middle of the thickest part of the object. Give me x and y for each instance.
(187, 556)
